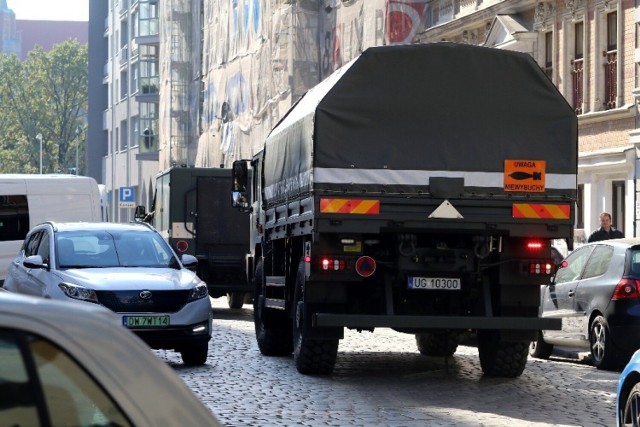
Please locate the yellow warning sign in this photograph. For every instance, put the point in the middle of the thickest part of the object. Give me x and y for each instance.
(526, 176)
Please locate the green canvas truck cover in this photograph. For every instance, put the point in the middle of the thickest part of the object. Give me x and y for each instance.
(396, 117)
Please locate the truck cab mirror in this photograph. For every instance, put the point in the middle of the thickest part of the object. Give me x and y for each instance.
(240, 182)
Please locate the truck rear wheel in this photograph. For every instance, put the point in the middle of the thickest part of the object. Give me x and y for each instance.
(235, 299)
(501, 358)
(437, 343)
(312, 356)
(273, 330)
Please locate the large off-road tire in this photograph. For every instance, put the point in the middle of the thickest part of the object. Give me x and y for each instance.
(539, 348)
(604, 353)
(273, 334)
(437, 343)
(501, 358)
(235, 299)
(196, 355)
(248, 298)
(311, 356)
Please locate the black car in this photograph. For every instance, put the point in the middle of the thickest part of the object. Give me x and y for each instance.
(596, 292)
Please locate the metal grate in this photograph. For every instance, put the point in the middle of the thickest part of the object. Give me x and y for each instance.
(578, 91)
(610, 80)
(131, 302)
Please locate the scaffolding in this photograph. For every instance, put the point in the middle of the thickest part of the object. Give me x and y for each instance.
(177, 83)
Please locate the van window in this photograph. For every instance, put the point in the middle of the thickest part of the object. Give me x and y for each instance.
(14, 217)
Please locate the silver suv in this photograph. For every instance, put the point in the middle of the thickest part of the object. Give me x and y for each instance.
(128, 268)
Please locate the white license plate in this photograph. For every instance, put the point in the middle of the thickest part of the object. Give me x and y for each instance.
(439, 283)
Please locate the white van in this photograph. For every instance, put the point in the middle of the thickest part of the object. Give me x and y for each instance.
(28, 200)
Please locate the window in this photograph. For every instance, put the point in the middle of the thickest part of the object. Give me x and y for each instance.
(124, 85)
(548, 54)
(149, 70)
(148, 18)
(31, 245)
(40, 382)
(599, 261)
(149, 113)
(578, 68)
(580, 207)
(612, 31)
(124, 135)
(611, 62)
(575, 264)
(14, 217)
(617, 214)
(43, 247)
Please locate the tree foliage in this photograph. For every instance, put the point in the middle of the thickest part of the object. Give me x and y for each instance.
(44, 95)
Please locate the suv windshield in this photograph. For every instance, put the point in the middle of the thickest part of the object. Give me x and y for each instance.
(93, 248)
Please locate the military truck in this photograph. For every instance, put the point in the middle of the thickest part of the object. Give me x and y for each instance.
(192, 211)
(416, 188)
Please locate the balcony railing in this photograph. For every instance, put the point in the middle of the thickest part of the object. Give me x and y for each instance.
(610, 80)
(578, 89)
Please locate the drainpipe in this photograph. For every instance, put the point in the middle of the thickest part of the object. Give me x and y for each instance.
(114, 96)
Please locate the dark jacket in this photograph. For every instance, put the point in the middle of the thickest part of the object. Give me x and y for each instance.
(601, 234)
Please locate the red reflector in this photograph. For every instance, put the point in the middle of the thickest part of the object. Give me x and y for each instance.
(365, 266)
(182, 246)
(307, 259)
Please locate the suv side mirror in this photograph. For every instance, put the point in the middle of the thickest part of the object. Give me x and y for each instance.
(140, 212)
(239, 185)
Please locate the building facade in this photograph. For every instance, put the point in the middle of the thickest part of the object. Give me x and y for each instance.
(201, 83)
(588, 49)
(10, 37)
(124, 100)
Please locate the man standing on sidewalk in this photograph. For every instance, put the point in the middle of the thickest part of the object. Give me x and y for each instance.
(606, 231)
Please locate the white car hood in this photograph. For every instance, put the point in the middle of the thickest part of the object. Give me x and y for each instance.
(126, 278)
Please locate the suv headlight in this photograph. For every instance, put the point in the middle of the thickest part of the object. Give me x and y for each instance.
(199, 292)
(78, 292)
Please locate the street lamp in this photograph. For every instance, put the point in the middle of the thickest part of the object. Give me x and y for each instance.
(39, 138)
(78, 130)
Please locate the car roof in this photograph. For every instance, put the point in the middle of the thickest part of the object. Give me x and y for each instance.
(626, 242)
(101, 226)
(113, 355)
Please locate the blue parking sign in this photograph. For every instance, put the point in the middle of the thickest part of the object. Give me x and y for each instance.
(127, 197)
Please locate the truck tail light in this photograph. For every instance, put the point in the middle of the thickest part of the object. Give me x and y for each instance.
(541, 267)
(534, 245)
(182, 246)
(626, 289)
(333, 264)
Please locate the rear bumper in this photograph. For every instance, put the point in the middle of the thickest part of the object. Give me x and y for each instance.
(434, 322)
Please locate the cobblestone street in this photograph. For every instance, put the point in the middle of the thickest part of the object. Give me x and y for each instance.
(380, 379)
